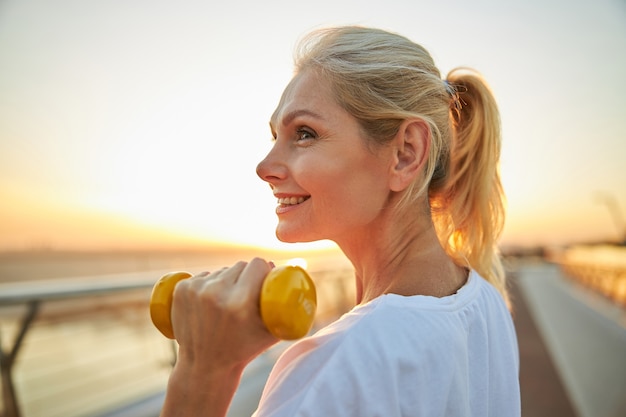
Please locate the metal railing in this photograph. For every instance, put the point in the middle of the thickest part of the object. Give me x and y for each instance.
(610, 281)
(600, 268)
(33, 295)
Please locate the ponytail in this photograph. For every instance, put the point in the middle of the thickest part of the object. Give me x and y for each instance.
(469, 209)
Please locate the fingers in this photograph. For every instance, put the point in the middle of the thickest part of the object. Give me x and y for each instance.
(241, 281)
(231, 275)
(256, 270)
(252, 276)
(224, 306)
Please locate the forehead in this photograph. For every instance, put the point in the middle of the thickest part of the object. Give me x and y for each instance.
(306, 95)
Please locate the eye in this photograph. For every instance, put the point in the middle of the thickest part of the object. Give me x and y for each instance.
(305, 134)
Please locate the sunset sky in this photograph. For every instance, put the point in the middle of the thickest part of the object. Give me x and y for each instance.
(131, 123)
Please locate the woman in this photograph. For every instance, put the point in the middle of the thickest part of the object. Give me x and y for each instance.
(375, 152)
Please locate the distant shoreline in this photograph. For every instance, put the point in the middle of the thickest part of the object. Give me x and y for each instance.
(31, 265)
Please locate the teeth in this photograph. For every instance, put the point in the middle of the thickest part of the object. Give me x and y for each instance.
(290, 201)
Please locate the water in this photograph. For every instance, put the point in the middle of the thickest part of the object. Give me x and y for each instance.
(46, 265)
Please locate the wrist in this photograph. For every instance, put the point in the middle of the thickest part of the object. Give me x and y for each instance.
(192, 390)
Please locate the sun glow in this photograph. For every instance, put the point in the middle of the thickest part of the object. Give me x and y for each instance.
(152, 136)
(301, 262)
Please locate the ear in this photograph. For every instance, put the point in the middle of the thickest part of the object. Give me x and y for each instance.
(411, 148)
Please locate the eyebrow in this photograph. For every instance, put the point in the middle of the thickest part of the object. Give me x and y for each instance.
(289, 117)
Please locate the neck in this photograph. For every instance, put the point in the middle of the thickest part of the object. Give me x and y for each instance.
(403, 258)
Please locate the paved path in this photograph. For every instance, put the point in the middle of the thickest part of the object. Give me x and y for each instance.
(543, 394)
(585, 337)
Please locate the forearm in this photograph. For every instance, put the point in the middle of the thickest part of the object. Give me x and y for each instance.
(200, 395)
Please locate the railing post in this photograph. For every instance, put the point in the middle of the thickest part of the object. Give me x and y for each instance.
(7, 360)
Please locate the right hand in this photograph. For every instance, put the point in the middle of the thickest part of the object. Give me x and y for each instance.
(216, 318)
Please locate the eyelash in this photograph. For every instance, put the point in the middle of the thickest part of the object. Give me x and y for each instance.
(299, 133)
(302, 131)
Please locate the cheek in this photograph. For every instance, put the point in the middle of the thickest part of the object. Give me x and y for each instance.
(347, 193)
(326, 180)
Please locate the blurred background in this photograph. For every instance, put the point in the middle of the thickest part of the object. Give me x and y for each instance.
(129, 136)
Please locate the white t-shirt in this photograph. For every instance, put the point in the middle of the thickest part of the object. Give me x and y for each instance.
(404, 356)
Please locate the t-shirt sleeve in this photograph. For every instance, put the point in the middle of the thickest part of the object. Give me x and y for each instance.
(333, 379)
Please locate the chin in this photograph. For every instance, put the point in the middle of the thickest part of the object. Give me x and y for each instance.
(286, 237)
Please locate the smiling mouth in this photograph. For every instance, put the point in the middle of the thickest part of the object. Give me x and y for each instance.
(292, 201)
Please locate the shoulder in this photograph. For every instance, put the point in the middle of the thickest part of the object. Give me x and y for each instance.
(392, 328)
(364, 361)
(346, 366)
(391, 355)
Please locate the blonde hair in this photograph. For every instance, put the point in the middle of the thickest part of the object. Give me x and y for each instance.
(382, 79)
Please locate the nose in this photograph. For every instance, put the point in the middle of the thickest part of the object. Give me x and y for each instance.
(272, 168)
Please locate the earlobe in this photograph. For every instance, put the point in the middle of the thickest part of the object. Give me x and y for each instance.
(412, 145)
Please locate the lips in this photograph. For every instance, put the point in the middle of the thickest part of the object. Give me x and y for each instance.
(287, 203)
(292, 201)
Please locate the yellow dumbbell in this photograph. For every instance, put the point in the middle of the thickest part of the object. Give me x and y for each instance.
(287, 302)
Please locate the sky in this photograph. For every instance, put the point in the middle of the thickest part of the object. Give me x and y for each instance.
(136, 123)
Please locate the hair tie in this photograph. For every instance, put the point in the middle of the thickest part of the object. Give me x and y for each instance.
(453, 92)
